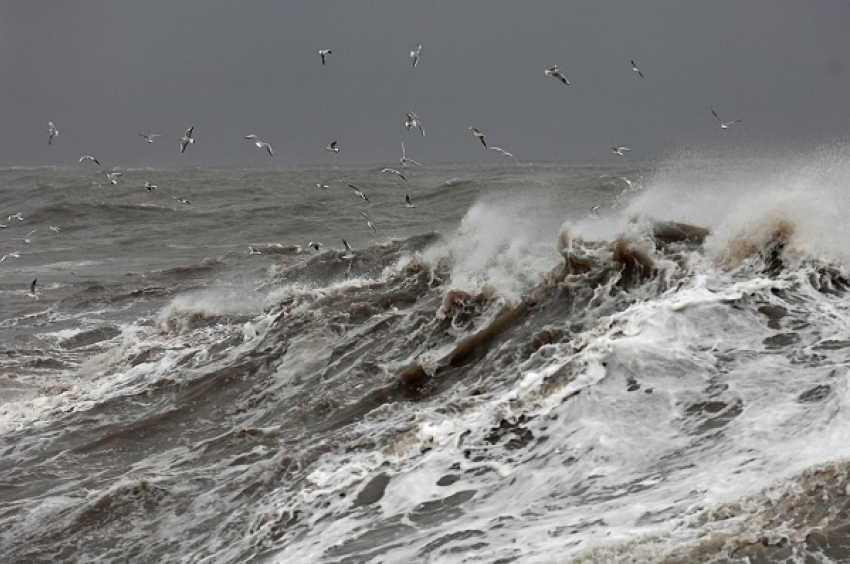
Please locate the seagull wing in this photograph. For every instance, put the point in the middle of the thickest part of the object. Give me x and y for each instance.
(715, 115)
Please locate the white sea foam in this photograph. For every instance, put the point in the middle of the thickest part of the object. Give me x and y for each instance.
(505, 246)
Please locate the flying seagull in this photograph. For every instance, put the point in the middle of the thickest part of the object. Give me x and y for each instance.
(315, 245)
(637, 70)
(90, 158)
(368, 221)
(724, 124)
(260, 144)
(358, 192)
(150, 187)
(54, 228)
(413, 121)
(554, 72)
(253, 251)
(407, 202)
(51, 132)
(620, 150)
(113, 177)
(594, 211)
(404, 160)
(323, 53)
(187, 139)
(349, 252)
(478, 134)
(33, 293)
(149, 138)
(332, 147)
(17, 216)
(266, 146)
(394, 171)
(415, 54)
(507, 154)
(321, 186)
(182, 200)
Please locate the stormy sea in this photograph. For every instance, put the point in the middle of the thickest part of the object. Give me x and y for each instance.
(640, 362)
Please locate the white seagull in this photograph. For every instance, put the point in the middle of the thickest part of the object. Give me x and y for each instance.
(407, 202)
(260, 144)
(554, 72)
(323, 53)
(51, 132)
(349, 252)
(620, 150)
(358, 192)
(404, 160)
(507, 154)
(368, 221)
(17, 216)
(150, 187)
(266, 146)
(54, 228)
(332, 147)
(321, 186)
(478, 134)
(149, 138)
(724, 124)
(637, 70)
(413, 121)
(394, 171)
(415, 54)
(90, 158)
(187, 139)
(315, 245)
(182, 200)
(113, 177)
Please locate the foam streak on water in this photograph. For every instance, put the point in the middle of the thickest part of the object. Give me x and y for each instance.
(500, 377)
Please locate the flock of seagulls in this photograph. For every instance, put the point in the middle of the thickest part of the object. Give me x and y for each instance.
(412, 122)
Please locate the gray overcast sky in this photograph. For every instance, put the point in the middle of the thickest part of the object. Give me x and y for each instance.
(104, 71)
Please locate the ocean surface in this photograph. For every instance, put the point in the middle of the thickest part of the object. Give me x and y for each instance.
(498, 374)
